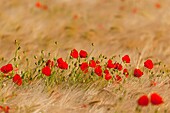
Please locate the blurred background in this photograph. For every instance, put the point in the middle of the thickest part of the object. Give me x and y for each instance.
(113, 26)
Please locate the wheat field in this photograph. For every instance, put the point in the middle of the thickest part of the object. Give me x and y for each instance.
(138, 28)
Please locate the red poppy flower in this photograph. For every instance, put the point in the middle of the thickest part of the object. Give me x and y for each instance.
(108, 76)
(158, 5)
(143, 100)
(84, 67)
(7, 68)
(74, 53)
(1, 109)
(156, 99)
(92, 63)
(126, 73)
(118, 66)
(126, 59)
(75, 17)
(98, 70)
(153, 83)
(6, 109)
(62, 64)
(115, 65)
(60, 61)
(138, 73)
(97, 62)
(110, 64)
(83, 54)
(17, 79)
(50, 63)
(38, 4)
(148, 64)
(46, 71)
(106, 71)
(118, 78)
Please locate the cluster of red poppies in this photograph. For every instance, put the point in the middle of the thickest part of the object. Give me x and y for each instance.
(105, 70)
(4, 109)
(95, 65)
(7, 69)
(84, 66)
(155, 99)
(98, 70)
(148, 64)
(63, 64)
